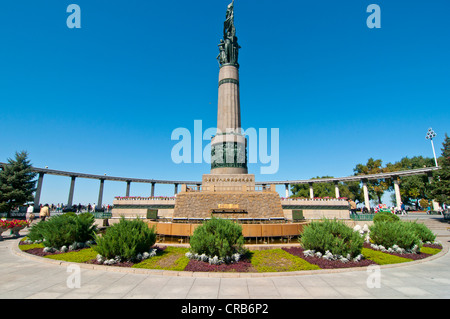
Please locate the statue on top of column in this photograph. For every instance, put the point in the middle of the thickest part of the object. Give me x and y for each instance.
(228, 47)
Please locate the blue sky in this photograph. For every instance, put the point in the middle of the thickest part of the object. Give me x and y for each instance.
(105, 98)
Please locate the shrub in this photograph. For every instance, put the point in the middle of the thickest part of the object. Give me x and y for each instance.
(332, 236)
(388, 234)
(126, 239)
(385, 216)
(217, 237)
(422, 231)
(63, 230)
(424, 203)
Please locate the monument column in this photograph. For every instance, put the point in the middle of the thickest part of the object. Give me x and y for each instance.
(228, 191)
(228, 146)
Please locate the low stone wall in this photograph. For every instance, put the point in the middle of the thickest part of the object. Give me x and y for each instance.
(257, 205)
(138, 206)
(316, 208)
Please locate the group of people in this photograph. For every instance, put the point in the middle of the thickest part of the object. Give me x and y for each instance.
(373, 210)
(399, 211)
(441, 210)
(395, 210)
(45, 210)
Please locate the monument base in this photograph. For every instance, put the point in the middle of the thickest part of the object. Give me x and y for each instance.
(228, 196)
(231, 205)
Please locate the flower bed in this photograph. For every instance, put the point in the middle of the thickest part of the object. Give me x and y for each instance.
(270, 260)
(327, 264)
(14, 223)
(168, 258)
(412, 256)
(244, 265)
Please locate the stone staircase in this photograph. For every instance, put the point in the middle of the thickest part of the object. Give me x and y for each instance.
(436, 223)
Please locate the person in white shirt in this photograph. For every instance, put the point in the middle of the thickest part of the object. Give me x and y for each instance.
(30, 213)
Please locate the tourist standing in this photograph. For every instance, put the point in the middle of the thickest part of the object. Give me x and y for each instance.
(44, 213)
(30, 214)
(352, 207)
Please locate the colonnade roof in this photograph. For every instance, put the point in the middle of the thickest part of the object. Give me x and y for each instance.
(418, 171)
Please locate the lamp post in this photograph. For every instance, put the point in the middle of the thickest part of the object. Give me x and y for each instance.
(430, 135)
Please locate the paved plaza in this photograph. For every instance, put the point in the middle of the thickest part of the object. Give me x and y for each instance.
(25, 276)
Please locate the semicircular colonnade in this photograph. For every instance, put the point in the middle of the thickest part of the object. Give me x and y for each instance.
(336, 180)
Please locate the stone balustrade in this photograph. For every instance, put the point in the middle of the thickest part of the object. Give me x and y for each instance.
(315, 200)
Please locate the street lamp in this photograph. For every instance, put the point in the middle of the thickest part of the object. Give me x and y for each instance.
(430, 135)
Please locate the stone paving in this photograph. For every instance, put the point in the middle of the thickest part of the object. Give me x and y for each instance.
(26, 277)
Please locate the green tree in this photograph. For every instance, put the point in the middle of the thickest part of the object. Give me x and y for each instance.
(441, 182)
(355, 191)
(17, 182)
(324, 189)
(320, 189)
(412, 188)
(376, 187)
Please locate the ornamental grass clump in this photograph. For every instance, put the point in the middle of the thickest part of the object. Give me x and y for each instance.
(218, 238)
(126, 240)
(331, 237)
(64, 230)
